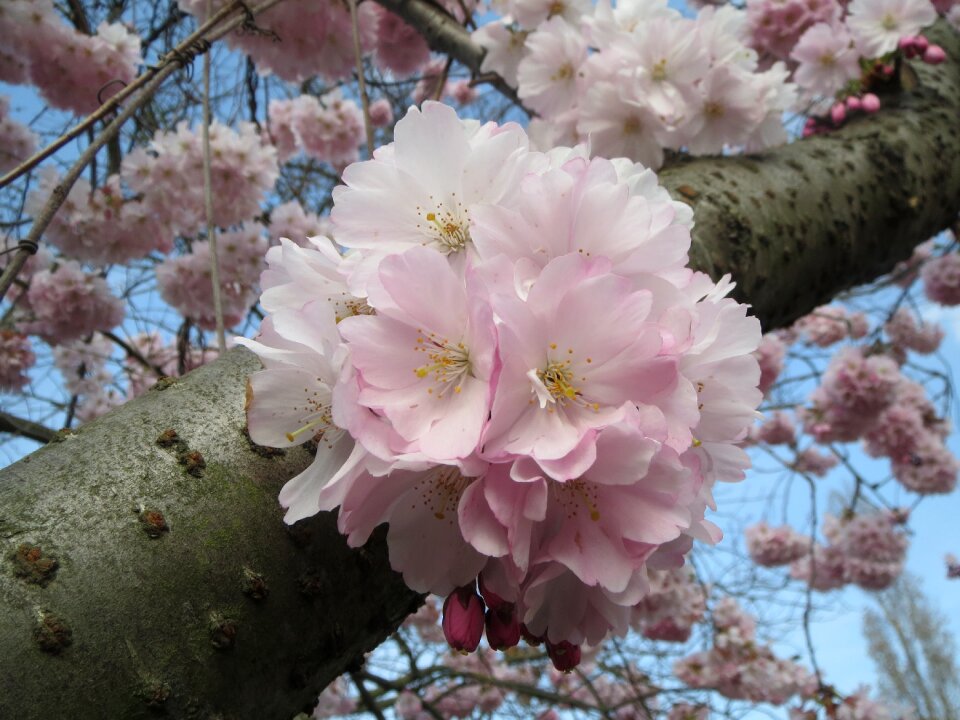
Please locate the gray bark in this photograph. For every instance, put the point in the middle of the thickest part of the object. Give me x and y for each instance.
(133, 575)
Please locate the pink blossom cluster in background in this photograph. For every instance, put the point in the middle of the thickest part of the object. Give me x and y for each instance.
(163, 356)
(941, 279)
(100, 226)
(71, 70)
(16, 358)
(329, 128)
(867, 550)
(675, 603)
(740, 668)
(774, 546)
(548, 419)
(830, 324)
(299, 39)
(65, 303)
(168, 175)
(16, 141)
(184, 280)
(290, 220)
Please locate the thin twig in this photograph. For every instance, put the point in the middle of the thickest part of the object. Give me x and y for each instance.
(25, 428)
(208, 205)
(358, 54)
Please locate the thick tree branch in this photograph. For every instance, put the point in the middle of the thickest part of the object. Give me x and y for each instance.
(445, 35)
(129, 622)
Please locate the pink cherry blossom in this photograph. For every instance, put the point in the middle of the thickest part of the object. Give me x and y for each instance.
(16, 358)
(941, 279)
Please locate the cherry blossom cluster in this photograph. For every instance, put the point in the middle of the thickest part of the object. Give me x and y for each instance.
(774, 546)
(168, 175)
(65, 303)
(185, 284)
(99, 226)
(655, 79)
(72, 71)
(513, 367)
(299, 39)
(830, 324)
(329, 128)
(864, 395)
(157, 354)
(906, 333)
(83, 364)
(941, 279)
(16, 141)
(740, 668)
(16, 358)
(676, 602)
(289, 220)
(867, 550)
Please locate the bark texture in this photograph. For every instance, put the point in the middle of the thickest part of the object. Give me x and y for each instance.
(146, 573)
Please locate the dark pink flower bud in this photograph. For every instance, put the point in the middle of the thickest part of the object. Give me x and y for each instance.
(564, 655)
(934, 55)
(870, 103)
(838, 113)
(463, 619)
(503, 627)
(908, 47)
(531, 639)
(921, 44)
(854, 103)
(887, 70)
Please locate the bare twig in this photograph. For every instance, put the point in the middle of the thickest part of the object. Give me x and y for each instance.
(208, 205)
(25, 428)
(358, 54)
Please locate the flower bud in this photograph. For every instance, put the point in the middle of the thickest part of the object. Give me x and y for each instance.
(463, 619)
(870, 103)
(854, 103)
(921, 44)
(908, 47)
(934, 55)
(533, 640)
(503, 627)
(564, 655)
(838, 113)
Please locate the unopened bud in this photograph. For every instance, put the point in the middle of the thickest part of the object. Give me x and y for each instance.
(934, 55)
(838, 113)
(907, 46)
(564, 655)
(463, 619)
(854, 103)
(503, 627)
(870, 103)
(531, 639)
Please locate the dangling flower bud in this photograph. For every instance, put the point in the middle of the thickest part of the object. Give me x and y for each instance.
(503, 627)
(564, 655)
(463, 619)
